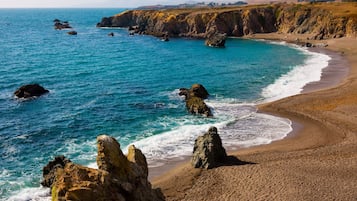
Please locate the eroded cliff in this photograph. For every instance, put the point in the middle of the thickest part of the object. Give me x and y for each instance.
(322, 20)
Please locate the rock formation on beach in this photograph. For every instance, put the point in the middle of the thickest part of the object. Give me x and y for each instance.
(30, 90)
(321, 20)
(118, 177)
(208, 151)
(194, 100)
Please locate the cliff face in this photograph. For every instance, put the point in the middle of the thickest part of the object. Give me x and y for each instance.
(239, 21)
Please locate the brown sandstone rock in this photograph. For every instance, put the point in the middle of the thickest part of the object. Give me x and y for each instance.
(50, 169)
(194, 100)
(118, 177)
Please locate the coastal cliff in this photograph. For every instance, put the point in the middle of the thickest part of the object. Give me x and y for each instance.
(321, 20)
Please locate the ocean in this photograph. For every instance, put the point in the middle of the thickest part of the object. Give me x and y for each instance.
(127, 87)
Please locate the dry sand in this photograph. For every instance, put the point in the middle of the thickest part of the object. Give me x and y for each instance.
(317, 161)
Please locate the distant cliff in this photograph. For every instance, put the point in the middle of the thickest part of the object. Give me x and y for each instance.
(330, 20)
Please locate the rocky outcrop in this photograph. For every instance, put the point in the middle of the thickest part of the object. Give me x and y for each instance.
(316, 19)
(118, 177)
(194, 98)
(216, 40)
(59, 25)
(49, 171)
(208, 151)
(30, 90)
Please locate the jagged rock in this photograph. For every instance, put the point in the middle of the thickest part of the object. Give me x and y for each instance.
(30, 90)
(48, 172)
(118, 177)
(208, 151)
(194, 100)
(216, 40)
(72, 33)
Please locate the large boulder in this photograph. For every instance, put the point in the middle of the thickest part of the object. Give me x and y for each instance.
(194, 99)
(30, 90)
(118, 177)
(216, 40)
(208, 151)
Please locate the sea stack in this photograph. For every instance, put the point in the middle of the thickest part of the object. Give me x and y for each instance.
(194, 100)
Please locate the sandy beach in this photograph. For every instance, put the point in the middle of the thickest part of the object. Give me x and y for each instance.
(317, 161)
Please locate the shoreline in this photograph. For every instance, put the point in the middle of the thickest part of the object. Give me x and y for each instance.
(329, 78)
(316, 135)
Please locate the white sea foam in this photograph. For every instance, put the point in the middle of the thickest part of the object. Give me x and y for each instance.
(238, 125)
(33, 194)
(294, 81)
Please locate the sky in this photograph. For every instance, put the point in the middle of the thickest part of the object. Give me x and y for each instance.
(84, 3)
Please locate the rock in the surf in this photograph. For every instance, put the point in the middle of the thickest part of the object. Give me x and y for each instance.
(30, 90)
(216, 40)
(194, 99)
(208, 151)
(118, 177)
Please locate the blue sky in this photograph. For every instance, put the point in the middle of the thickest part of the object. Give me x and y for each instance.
(84, 3)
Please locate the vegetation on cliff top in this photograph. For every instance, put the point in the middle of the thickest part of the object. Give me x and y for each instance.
(321, 20)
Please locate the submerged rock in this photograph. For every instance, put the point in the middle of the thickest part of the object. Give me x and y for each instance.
(194, 100)
(72, 33)
(118, 177)
(208, 151)
(30, 90)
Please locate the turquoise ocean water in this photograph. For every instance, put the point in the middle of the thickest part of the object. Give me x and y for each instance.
(127, 87)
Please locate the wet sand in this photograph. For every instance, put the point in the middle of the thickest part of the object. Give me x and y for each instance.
(317, 161)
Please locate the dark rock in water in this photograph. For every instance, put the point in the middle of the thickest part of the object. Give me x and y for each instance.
(61, 25)
(199, 91)
(118, 177)
(194, 100)
(216, 40)
(48, 172)
(72, 33)
(196, 105)
(208, 151)
(165, 37)
(31, 90)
